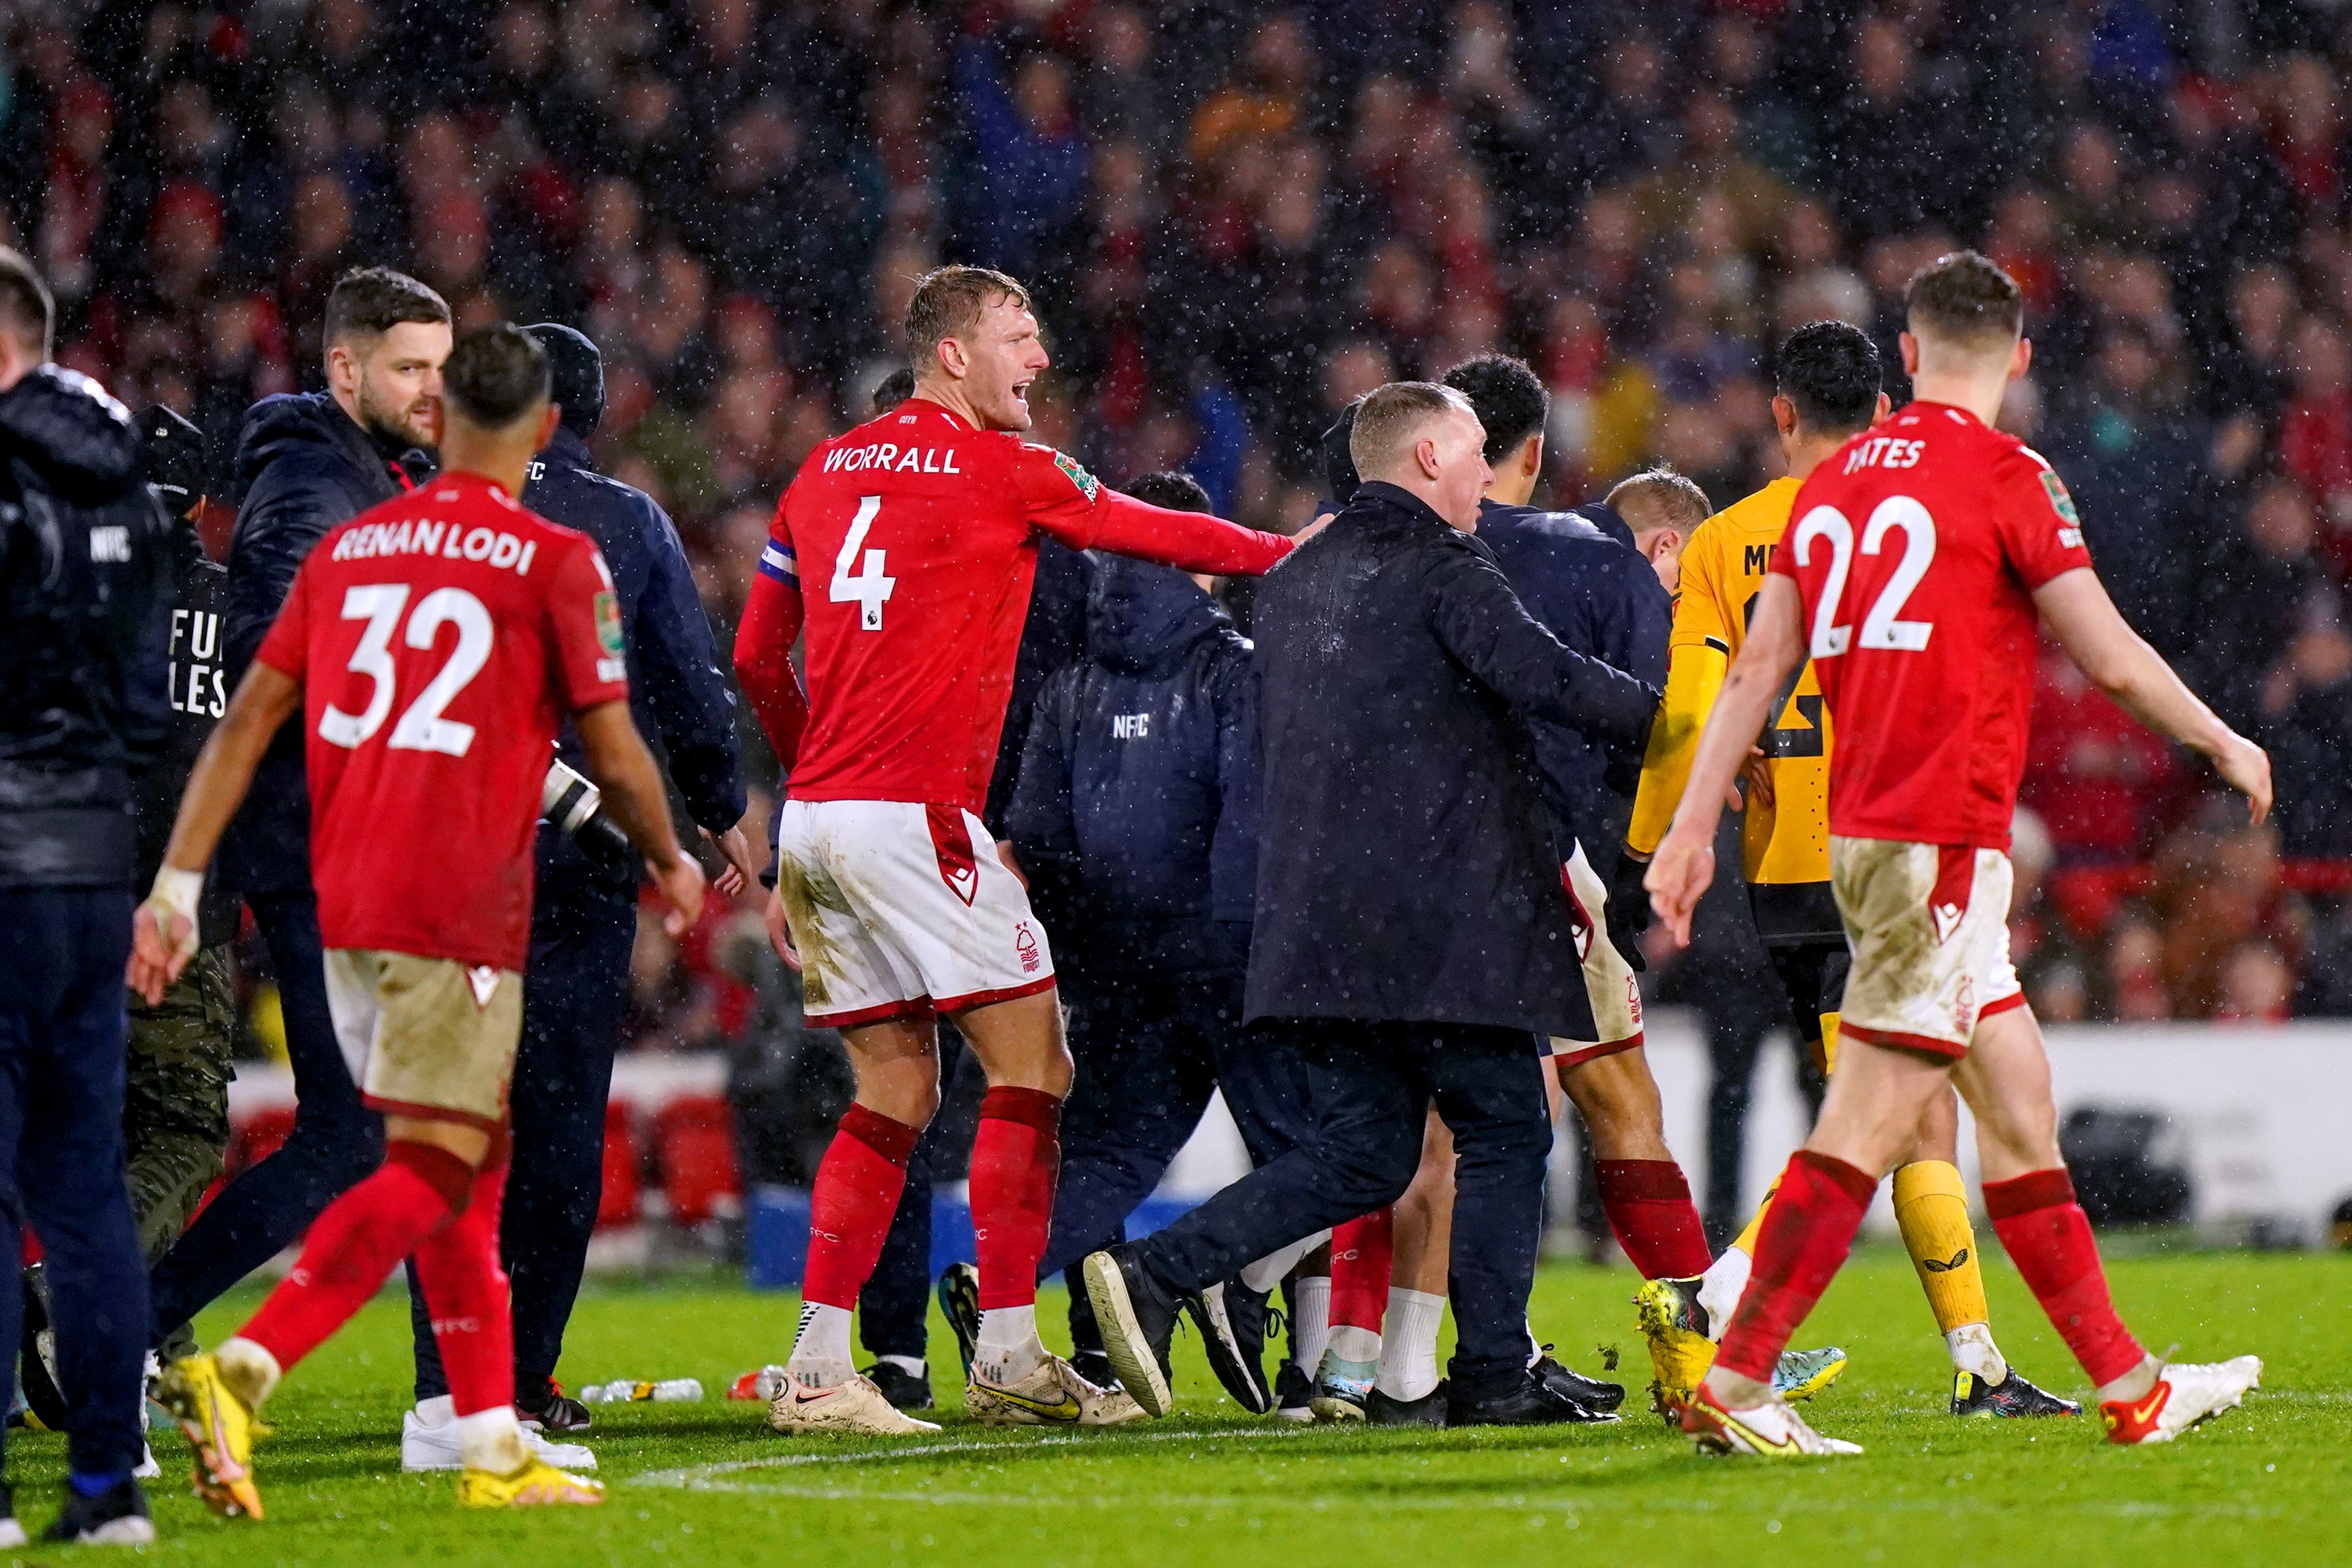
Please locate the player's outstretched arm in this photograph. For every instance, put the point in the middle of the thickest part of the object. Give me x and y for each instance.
(2119, 662)
(1685, 863)
(163, 932)
(1194, 542)
(633, 789)
(763, 663)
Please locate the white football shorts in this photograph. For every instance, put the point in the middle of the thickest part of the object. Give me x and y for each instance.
(903, 910)
(1929, 928)
(1611, 984)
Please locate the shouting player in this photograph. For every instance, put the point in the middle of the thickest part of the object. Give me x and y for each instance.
(431, 645)
(1917, 558)
(1826, 390)
(921, 529)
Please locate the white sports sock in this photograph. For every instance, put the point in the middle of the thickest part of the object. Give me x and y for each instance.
(1974, 1350)
(2132, 1384)
(1409, 1345)
(248, 1369)
(1270, 1270)
(1720, 1289)
(1535, 1348)
(820, 1356)
(438, 1411)
(1008, 1349)
(492, 1440)
(1310, 1324)
(1349, 1342)
(912, 1366)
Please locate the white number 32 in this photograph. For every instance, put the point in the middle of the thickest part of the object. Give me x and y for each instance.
(1880, 627)
(422, 727)
(866, 587)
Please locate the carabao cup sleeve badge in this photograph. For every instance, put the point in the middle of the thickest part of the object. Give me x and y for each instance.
(1076, 474)
(608, 624)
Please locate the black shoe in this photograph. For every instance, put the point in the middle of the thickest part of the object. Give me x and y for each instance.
(37, 1360)
(552, 1412)
(1136, 1315)
(115, 1517)
(1094, 1367)
(1387, 1410)
(1231, 1320)
(959, 1301)
(1530, 1403)
(1589, 1392)
(905, 1390)
(2012, 1397)
(1294, 1394)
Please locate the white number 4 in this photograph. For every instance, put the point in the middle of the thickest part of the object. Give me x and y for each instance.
(422, 727)
(1880, 629)
(866, 588)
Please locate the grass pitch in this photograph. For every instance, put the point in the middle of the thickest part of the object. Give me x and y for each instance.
(707, 1483)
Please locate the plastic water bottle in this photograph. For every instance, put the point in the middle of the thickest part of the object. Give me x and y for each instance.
(626, 1390)
(763, 1384)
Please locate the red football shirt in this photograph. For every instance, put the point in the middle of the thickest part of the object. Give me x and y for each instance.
(908, 547)
(1916, 549)
(439, 638)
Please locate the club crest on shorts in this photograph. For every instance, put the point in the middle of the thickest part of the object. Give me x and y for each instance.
(484, 980)
(1024, 942)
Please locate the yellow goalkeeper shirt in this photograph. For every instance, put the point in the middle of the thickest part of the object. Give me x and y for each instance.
(1723, 567)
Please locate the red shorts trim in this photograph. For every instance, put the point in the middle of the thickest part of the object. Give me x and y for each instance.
(913, 1006)
(2004, 1004)
(982, 998)
(1927, 1044)
(432, 1114)
(1584, 1053)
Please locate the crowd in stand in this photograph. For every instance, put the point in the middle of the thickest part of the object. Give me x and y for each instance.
(1239, 216)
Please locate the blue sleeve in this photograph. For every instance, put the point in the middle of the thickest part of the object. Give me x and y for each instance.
(1041, 820)
(1649, 627)
(1233, 849)
(292, 505)
(692, 703)
(1216, 461)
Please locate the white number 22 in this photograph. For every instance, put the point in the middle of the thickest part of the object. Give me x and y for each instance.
(420, 727)
(1880, 627)
(866, 588)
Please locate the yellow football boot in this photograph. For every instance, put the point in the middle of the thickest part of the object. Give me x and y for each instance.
(220, 1427)
(537, 1485)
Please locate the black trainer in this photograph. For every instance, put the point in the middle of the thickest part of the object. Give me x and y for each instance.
(115, 1517)
(960, 1301)
(552, 1411)
(905, 1390)
(36, 1361)
(1094, 1367)
(1530, 1403)
(1387, 1410)
(1231, 1320)
(1589, 1392)
(2012, 1397)
(1136, 1315)
(1294, 1394)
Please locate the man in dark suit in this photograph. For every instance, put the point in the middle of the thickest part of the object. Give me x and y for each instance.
(1411, 938)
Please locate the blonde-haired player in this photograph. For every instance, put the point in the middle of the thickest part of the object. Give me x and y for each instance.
(1828, 389)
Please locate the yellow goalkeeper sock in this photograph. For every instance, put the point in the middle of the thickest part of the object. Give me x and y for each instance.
(1746, 1240)
(1932, 1208)
(1829, 1043)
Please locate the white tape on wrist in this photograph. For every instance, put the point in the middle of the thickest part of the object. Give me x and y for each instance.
(177, 892)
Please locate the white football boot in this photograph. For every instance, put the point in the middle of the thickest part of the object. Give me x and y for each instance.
(1052, 1396)
(2185, 1394)
(1771, 1430)
(427, 1445)
(853, 1408)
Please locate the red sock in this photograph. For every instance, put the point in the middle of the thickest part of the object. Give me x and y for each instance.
(1806, 1237)
(355, 1243)
(1015, 1158)
(1362, 1251)
(465, 1291)
(859, 1184)
(2048, 1237)
(1648, 1203)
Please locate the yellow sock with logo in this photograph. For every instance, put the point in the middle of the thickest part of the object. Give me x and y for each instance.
(1932, 1208)
(1829, 1043)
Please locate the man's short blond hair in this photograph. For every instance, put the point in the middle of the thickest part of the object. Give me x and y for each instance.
(1390, 419)
(1659, 498)
(948, 302)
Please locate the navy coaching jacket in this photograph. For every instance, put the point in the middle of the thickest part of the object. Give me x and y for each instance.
(1580, 577)
(683, 706)
(1136, 809)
